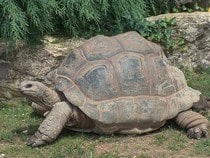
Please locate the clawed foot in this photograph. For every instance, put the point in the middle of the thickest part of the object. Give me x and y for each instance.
(198, 132)
(36, 140)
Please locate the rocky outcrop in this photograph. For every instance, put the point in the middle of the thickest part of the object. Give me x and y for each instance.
(32, 64)
(194, 30)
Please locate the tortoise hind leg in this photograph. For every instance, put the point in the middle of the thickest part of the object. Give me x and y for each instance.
(196, 124)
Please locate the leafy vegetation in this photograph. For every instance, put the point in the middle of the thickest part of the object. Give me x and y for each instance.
(159, 31)
(157, 7)
(17, 123)
(28, 21)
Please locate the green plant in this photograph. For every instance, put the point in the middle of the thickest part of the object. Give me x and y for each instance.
(157, 7)
(203, 147)
(30, 20)
(26, 20)
(22, 20)
(81, 17)
(159, 31)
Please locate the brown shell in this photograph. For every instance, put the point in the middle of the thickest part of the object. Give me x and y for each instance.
(123, 79)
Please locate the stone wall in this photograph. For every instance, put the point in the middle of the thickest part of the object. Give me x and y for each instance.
(194, 29)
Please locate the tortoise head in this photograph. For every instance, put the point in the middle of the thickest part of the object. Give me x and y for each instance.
(32, 89)
(39, 93)
(203, 104)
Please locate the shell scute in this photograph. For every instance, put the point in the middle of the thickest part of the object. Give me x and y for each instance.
(101, 47)
(96, 83)
(128, 111)
(63, 83)
(162, 83)
(142, 110)
(133, 42)
(109, 112)
(132, 76)
(91, 110)
(75, 96)
(72, 63)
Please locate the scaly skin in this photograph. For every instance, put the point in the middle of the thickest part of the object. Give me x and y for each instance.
(202, 105)
(53, 124)
(46, 102)
(40, 94)
(40, 109)
(62, 114)
(196, 124)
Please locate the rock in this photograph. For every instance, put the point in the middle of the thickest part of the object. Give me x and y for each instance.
(5, 66)
(194, 29)
(32, 64)
(2, 155)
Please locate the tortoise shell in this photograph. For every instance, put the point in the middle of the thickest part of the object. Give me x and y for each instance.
(123, 79)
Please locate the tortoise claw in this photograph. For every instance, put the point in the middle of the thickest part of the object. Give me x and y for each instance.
(197, 132)
(35, 140)
(36, 143)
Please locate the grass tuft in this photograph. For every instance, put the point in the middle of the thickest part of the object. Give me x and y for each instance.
(203, 147)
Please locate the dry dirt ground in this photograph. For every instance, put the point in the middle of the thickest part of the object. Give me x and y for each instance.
(166, 143)
(144, 147)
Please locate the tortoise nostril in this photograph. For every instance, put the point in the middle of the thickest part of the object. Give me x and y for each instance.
(28, 86)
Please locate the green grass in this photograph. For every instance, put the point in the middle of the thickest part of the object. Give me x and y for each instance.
(199, 79)
(160, 139)
(203, 147)
(17, 123)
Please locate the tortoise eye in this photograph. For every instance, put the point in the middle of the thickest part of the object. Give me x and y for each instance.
(28, 86)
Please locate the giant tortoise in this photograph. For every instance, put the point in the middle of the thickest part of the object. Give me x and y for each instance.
(119, 84)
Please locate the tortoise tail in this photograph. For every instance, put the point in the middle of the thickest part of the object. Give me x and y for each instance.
(190, 119)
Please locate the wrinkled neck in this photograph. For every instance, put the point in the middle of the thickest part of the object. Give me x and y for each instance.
(47, 98)
(50, 97)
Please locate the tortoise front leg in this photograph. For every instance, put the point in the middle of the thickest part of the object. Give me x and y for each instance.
(196, 124)
(40, 109)
(52, 125)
